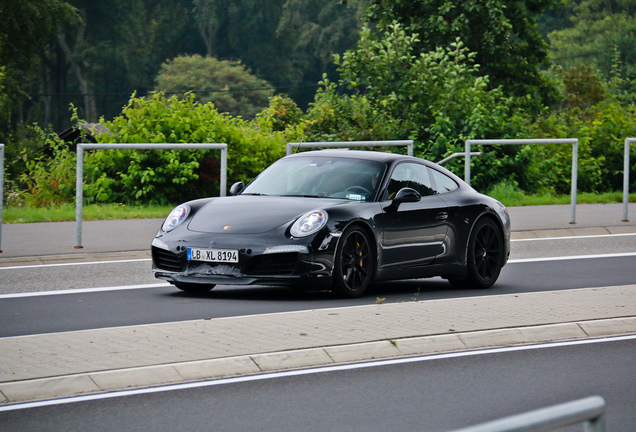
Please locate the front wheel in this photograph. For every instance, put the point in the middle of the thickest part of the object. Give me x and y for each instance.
(194, 288)
(485, 256)
(353, 265)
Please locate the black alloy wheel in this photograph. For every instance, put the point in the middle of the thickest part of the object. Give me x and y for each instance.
(354, 263)
(485, 256)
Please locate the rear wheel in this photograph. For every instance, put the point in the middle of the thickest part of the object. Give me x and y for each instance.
(485, 256)
(194, 288)
(353, 266)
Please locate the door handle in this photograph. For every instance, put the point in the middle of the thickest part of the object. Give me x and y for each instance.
(442, 216)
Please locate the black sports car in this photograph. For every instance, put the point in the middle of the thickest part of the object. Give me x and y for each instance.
(338, 220)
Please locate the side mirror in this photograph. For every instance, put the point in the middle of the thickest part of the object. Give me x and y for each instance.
(237, 188)
(404, 195)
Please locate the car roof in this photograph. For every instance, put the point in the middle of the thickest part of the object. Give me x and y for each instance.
(377, 156)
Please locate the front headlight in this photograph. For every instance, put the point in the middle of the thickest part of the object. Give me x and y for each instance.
(175, 217)
(309, 223)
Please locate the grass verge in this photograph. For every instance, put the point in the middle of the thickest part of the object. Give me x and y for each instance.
(66, 212)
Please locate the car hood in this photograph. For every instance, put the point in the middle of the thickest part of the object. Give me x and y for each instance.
(248, 214)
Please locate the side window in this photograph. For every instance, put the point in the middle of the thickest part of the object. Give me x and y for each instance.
(411, 175)
(443, 182)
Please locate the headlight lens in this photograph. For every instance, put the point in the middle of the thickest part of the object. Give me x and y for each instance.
(175, 217)
(309, 223)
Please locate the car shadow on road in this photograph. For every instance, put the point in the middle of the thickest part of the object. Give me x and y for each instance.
(381, 292)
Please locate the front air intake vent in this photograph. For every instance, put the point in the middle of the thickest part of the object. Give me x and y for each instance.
(166, 260)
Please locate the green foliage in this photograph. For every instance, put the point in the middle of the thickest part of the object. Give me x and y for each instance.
(5, 101)
(228, 85)
(601, 35)
(502, 33)
(48, 180)
(601, 130)
(136, 176)
(281, 114)
(26, 24)
(334, 117)
(25, 28)
(145, 35)
(582, 88)
(437, 98)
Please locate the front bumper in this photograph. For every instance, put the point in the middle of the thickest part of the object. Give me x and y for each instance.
(288, 264)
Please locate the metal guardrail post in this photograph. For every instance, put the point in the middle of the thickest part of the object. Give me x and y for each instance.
(79, 196)
(628, 142)
(79, 180)
(588, 410)
(575, 158)
(1, 190)
(345, 144)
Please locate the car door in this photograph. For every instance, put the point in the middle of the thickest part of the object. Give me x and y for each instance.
(414, 232)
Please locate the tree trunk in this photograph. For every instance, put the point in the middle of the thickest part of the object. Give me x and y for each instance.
(72, 56)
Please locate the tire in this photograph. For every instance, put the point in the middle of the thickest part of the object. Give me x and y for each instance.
(353, 264)
(485, 256)
(194, 288)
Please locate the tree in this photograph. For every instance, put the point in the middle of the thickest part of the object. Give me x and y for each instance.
(502, 34)
(26, 24)
(602, 36)
(319, 29)
(227, 84)
(289, 43)
(439, 96)
(25, 27)
(207, 14)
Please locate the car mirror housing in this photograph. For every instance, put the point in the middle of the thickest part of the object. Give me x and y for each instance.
(237, 188)
(404, 195)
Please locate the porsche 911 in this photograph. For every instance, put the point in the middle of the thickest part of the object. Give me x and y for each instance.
(336, 220)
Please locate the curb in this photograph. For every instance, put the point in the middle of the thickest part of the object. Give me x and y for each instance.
(12, 393)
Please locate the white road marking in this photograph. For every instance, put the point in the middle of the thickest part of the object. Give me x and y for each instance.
(74, 264)
(574, 257)
(275, 375)
(83, 290)
(574, 237)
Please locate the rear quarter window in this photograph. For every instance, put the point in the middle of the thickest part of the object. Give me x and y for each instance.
(443, 183)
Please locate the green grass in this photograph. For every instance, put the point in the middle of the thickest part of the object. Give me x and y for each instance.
(513, 197)
(508, 195)
(66, 212)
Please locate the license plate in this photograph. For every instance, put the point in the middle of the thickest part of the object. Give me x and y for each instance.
(213, 255)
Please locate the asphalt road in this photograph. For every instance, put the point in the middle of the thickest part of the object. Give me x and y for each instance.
(133, 296)
(436, 393)
(164, 303)
(430, 394)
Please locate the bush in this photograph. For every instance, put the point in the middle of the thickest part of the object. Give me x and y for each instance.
(334, 117)
(601, 130)
(47, 180)
(173, 176)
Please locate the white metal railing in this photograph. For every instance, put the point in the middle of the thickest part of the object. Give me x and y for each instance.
(456, 155)
(345, 144)
(575, 158)
(588, 410)
(628, 142)
(79, 194)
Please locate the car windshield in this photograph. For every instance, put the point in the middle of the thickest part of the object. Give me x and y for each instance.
(319, 176)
